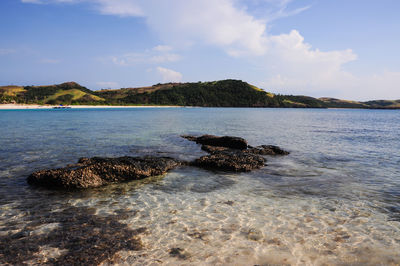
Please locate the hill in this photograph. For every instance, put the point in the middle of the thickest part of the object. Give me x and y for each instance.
(224, 93)
(65, 93)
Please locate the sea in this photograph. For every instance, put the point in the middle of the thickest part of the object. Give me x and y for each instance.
(335, 200)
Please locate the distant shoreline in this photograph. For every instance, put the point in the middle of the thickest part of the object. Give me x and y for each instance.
(44, 107)
(49, 107)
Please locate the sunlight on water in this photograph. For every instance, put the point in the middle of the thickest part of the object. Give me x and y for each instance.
(334, 200)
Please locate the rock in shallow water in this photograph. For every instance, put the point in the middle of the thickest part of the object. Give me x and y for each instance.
(225, 141)
(97, 171)
(236, 161)
(267, 150)
(232, 153)
(226, 153)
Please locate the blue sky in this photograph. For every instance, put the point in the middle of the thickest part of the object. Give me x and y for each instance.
(343, 48)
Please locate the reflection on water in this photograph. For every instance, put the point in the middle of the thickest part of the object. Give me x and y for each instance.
(334, 200)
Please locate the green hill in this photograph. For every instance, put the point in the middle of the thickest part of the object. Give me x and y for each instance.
(383, 104)
(337, 103)
(65, 93)
(224, 93)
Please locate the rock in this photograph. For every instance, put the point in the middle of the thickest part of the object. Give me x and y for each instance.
(97, 171)
(213, 149)
(232, 153)
(267, 150)
(236, 161)
(253, 234)
(178, 253)
(225, 141)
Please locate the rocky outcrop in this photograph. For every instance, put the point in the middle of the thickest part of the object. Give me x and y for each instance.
(97, 171)
(232, 153)
(266, 150)
(261, 150)
(225, 141)
(236, 161)
(226, 153)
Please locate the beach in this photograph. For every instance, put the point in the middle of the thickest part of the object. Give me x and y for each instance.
(37, 106)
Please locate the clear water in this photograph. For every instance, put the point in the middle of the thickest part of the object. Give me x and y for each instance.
(334, 200)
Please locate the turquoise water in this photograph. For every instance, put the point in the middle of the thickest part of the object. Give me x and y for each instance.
(334, 200)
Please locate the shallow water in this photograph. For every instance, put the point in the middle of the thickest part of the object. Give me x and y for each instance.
(334, 200)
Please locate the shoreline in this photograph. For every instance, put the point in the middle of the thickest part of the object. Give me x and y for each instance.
(44, 107)
(48, 107)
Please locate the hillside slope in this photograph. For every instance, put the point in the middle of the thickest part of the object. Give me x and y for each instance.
(65, 93)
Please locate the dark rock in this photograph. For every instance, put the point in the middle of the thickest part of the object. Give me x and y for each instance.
(87, 239)
(189, 137)
(253, 234)
(213, 149)
(232, 153)
(96, 172)
(229, 202)
(236, 161)
(267, 150)
(225, 141)
(179, 253)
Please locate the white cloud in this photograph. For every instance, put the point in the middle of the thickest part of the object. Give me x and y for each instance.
(292, 63)
(108, 84)
(293, 66)
(157, 55)
(169, 75)
(162, 48)
(182, 22)
(121, 8)
(210, 22)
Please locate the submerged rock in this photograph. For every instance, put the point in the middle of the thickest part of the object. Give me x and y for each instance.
(213, 149)
(232, 153)
(236, 161)
(178, 253)
(267, 150)
(80, 238)
(225, 141)
(97, 171)
(261, 150)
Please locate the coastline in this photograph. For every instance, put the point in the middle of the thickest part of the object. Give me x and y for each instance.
(44, 107)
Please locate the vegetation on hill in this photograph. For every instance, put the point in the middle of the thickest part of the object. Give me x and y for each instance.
(224, 93)
(337, 103)
(384, 104)
(65, 93)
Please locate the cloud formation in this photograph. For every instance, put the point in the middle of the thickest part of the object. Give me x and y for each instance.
(108, 84)
(169, 75)
(156, 55)
(239, 28)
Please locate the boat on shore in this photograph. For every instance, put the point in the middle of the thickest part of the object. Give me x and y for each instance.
(62, 107)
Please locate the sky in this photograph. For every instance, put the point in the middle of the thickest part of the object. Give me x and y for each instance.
(346, 49)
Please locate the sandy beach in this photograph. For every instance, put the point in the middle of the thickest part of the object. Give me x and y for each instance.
(36, 106)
